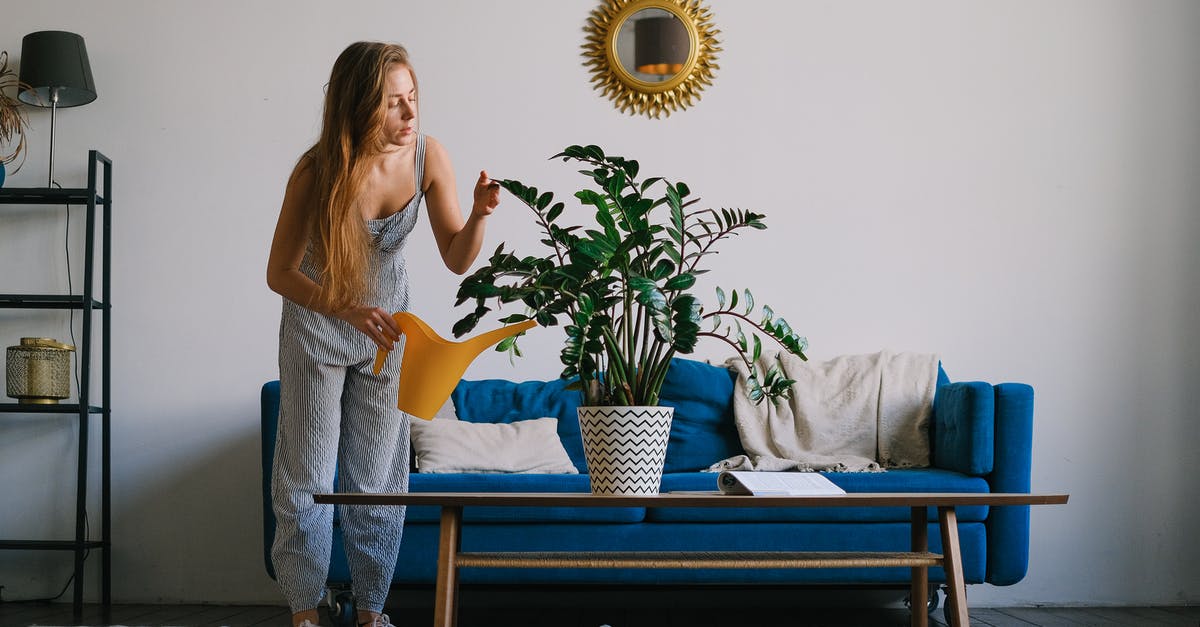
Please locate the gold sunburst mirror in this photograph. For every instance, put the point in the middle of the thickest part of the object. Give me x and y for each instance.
(651, 57)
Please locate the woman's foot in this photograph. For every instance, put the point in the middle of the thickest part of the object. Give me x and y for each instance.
(307, 618)
(369, 619)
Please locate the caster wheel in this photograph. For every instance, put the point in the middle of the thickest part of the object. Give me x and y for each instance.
(931, 604)
(935, 599)
(342, 612)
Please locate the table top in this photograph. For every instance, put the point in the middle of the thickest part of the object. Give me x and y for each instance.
(689, 499)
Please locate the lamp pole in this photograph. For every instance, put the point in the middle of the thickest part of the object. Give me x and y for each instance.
(53, 115)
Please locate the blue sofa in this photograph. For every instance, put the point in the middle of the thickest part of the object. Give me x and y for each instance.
(981, 437)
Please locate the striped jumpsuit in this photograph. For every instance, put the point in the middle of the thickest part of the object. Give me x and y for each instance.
(334, 411)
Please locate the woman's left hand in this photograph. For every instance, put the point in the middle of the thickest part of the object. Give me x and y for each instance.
(487, 195)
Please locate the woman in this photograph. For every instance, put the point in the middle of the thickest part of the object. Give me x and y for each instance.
(336, 259)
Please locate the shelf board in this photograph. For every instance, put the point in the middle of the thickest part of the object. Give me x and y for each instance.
(47, 408)
(45, 196)
(47, 301)
(51, 545)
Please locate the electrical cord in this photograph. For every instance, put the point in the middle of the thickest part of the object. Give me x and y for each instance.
(70, 580)
(70, 286)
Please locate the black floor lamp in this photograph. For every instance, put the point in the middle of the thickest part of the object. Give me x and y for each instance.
(54, 64)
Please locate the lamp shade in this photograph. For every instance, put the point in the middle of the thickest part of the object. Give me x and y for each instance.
(660, 46)
(55, 62)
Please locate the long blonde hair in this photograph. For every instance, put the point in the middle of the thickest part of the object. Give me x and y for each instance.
(352, 128)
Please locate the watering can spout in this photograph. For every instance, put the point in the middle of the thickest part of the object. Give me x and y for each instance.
(432, 366)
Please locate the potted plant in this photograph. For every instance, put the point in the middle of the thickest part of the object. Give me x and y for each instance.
(622, 289)
(12, 120)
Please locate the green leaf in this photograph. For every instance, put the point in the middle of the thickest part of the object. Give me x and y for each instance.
(605, 219)
(614, 186)
(590, 250)
(631, 168)
(648, 294)
(649, 182)
(465, 325)
(749, 302)
(673, 198)
(720, 298)
(672, 252)
(661, 270)
(588, 197)
(680, 282)
(686, 320)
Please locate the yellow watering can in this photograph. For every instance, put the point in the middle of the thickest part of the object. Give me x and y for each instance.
(432, 366)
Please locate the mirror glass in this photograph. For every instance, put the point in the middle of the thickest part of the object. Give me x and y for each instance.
(653, 45)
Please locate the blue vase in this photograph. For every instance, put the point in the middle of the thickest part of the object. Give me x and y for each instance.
(1, 174)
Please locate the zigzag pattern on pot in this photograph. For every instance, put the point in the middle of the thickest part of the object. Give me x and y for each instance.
(625, 452)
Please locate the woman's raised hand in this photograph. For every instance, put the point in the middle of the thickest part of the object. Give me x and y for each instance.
(487, 195)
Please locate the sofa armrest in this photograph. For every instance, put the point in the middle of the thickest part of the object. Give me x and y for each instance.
(269, 399)
(1008, 527)
(964, 427)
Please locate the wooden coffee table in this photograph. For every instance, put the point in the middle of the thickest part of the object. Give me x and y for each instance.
(451, 558)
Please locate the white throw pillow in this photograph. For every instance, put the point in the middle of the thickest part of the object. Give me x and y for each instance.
(524, 446)
(446, 411)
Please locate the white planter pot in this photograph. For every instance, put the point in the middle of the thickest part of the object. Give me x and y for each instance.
(625, 447)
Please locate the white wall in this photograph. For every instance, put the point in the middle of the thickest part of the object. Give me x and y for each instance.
(1010, 184)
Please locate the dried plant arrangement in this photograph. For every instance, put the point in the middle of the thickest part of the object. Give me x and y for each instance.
(13, 122)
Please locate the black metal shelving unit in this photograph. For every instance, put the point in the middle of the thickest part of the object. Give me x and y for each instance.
(97, 196)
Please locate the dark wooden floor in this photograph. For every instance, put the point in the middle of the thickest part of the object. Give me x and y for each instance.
(20, 615)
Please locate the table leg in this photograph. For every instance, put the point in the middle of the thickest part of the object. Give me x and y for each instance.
(952, 564)
(445, 608)
(919, 592)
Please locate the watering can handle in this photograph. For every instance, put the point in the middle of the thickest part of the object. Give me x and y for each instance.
(380, 357)
(409, 323)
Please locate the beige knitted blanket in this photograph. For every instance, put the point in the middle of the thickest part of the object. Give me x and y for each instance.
(853, 413)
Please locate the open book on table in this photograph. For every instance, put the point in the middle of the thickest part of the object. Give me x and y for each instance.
(775, 483)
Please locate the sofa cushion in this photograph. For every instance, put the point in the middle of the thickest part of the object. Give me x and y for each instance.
(515, 483)
(907, 480)
(498, 400)
(702, 429)
(529, 446)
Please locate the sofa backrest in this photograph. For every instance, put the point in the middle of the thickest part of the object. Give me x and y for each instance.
(702, 431)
